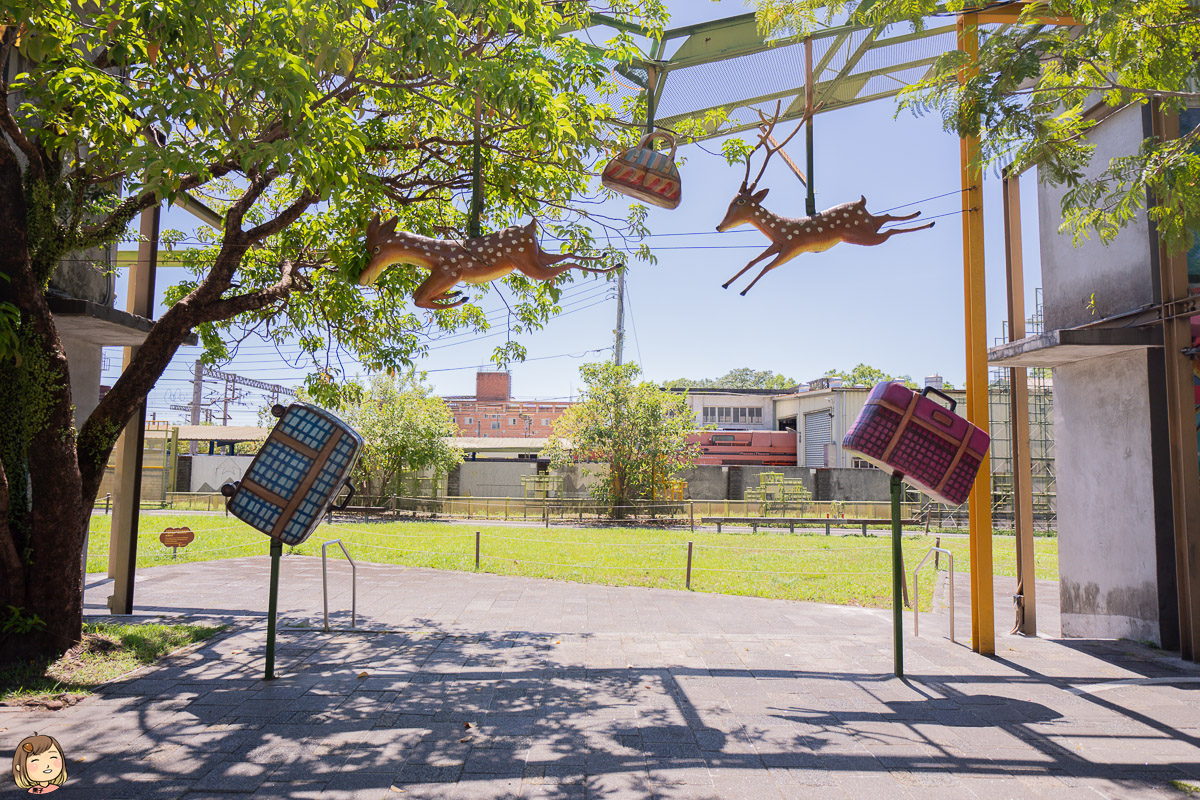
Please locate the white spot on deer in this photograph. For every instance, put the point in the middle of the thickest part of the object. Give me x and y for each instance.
(521, 249)
(820, 230)
(861, 211)
(789, 236)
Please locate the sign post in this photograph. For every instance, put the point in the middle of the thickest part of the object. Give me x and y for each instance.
(273, 607)
(897, 575)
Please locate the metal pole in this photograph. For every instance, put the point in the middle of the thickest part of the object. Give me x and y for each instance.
(620, 329)
(273, 607)
(810, 200)
(689, 566)
(897, 578)
(197, 399)
(122, 562)
(476, 549)
(1018, 397)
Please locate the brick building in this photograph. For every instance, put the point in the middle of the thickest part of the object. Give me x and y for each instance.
(493, 414)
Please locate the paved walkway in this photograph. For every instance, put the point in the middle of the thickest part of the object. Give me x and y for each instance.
(502, 687)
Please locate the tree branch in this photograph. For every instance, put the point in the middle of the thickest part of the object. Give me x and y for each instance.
(284, 219)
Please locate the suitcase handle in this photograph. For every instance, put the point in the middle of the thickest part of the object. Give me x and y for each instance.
(648, 141)
(953, 403)
(345, 500)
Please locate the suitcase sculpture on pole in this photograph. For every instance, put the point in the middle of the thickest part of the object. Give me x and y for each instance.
(291, 483)
(293, 480)
(645, 173)
(909, 434)
(922, 443)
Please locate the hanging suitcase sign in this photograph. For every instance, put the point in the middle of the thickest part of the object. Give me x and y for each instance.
(300, 469)
(933, 448)
(645, 173)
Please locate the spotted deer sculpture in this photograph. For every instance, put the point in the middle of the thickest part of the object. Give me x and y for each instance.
(791, 236)
(473, 261)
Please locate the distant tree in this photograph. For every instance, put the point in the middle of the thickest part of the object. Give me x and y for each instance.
(405, 428)
(866, 375)
(740, 378)
(635, 428)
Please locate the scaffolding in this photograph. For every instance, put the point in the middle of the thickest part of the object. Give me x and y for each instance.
(1041, 437)
(779, 495)
(541, 487)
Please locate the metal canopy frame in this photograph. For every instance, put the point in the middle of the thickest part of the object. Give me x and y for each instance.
(852, 64)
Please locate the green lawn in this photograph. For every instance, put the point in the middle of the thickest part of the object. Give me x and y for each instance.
(108, 651)
(852, 570)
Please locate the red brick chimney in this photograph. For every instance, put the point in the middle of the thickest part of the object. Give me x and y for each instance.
(493, 385)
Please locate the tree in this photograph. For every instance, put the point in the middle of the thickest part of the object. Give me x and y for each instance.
(740, 378)
(1035, 84)
(637, 430)
(866, 375)
(405, 428)
(297, 120)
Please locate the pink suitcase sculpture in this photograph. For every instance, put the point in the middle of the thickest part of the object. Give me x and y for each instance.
(934, 449)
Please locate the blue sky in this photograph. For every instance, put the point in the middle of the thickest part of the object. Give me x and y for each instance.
(897, 306)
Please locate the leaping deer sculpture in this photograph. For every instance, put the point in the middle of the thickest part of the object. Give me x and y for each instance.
(790, 236)
(477, 260)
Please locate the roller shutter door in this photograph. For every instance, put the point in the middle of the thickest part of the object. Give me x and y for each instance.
(818, 432)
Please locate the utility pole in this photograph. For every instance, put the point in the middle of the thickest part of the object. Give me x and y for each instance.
(197, 400)
(620, 331)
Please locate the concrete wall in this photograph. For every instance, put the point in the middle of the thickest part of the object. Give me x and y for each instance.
(493, 478)
(851, 485)
(84, 363)
(1106, 514)
(1118, 275)
(578, 480)
(209, 473)
(705, 482)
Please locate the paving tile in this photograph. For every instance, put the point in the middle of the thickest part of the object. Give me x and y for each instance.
(583, 692)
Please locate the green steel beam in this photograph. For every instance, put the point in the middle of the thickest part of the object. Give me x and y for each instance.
(796, 109)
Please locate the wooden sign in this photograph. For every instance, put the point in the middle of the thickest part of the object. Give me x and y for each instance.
(177, 537)
(479, 260)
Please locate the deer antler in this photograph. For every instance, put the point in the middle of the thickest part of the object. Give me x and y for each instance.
(768, 143)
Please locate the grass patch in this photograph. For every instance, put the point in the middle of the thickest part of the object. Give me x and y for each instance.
(1191, 789)
(108, 651)
(847, 570)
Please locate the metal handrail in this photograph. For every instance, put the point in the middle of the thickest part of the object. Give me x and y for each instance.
(353, 582)
(916, 591)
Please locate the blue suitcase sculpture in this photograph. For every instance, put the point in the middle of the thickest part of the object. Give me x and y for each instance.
(300, 469)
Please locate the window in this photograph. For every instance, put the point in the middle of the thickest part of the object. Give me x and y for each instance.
(468, 421)
(732, 415)
(495, 424)
(512, 421)
(545, 420)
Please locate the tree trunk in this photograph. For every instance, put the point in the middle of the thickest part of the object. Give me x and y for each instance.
(41, 536)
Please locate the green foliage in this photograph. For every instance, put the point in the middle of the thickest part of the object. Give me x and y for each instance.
(633, 427)
(866, 375)
(338, 110)
(17, 621)
(740, 378)
(405, 428)
(1035, 91)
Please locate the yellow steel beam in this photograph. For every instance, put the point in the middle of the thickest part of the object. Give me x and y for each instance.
(1011, 14)
(983, 633)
